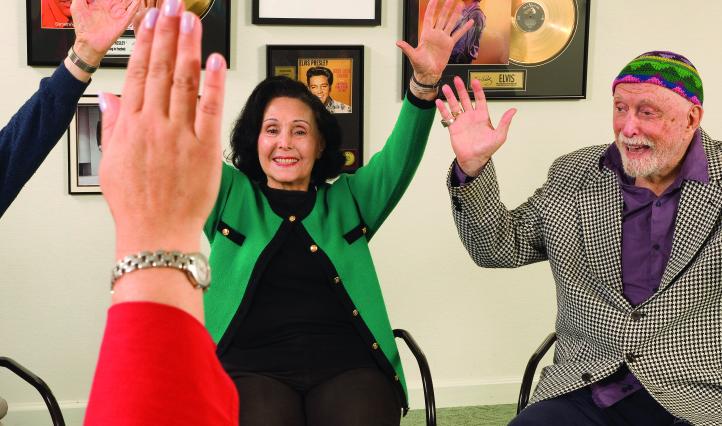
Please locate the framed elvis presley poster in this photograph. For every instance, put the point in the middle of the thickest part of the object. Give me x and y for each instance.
(335, 75)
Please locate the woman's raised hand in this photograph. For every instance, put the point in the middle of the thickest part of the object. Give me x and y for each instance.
(430, 57)
(473, 138)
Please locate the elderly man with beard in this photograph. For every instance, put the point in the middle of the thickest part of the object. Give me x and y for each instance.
(632, 233)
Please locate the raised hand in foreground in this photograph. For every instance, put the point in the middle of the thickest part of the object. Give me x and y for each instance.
(160, 174)
(161, 152)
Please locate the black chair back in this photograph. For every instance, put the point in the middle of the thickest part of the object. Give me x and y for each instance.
(55, 414)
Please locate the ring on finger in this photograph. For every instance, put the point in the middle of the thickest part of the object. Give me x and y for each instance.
(447, 123)
(456, 113)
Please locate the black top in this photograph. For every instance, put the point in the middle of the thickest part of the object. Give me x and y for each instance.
(295, 321)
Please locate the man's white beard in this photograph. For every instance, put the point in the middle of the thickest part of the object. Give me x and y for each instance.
(650, 165)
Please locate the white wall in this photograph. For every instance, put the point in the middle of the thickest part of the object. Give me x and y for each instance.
(476, 326)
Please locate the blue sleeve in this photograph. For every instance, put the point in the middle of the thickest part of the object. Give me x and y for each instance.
(34, 130)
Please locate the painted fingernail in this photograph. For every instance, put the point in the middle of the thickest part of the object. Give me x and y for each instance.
(188, 21)
(102, 103)
(171, 7)
(151, 17)
(215, 61)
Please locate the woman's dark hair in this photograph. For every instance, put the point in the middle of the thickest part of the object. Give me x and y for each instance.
(244, 138)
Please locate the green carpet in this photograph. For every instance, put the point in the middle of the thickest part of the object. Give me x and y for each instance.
(485, 415)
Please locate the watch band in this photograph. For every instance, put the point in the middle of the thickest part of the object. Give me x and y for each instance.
(188, 263)
(80, 63)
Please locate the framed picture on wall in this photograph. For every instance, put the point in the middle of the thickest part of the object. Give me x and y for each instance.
(317, 12)
(50, 32)
(335, 75)
(517, 49)
(84, 149)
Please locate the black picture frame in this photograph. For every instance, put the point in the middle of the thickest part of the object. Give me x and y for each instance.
(48, 46)
(84, 151)
(563, 75)
(346, 62)
(316, 13)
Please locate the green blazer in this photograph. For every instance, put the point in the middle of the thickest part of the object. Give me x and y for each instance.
(242, 227)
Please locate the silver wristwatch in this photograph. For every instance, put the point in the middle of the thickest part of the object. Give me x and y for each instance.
(195, 265)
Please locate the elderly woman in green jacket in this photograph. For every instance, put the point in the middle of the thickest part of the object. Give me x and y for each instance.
(295, 304)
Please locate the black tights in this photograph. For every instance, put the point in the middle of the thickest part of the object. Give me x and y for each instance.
(359, 397)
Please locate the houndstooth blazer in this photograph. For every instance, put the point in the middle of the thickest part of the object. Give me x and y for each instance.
(673, 341)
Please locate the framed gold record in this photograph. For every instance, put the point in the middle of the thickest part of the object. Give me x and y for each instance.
(545, 55)
(199, 7)
(541, 30)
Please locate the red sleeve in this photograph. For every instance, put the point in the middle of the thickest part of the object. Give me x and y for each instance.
(157, 366)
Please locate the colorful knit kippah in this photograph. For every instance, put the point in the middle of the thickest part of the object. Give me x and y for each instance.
(665, 69)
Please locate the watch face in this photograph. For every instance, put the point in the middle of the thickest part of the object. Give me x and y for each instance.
(199, 269)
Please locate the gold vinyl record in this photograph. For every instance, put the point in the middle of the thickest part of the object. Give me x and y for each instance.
(199, 7)
(541, 30)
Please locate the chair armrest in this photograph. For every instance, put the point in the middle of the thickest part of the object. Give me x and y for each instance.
(531, 366)
(55, 414)
(425, 374)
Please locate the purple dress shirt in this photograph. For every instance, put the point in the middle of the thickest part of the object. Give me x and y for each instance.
(647, 235)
